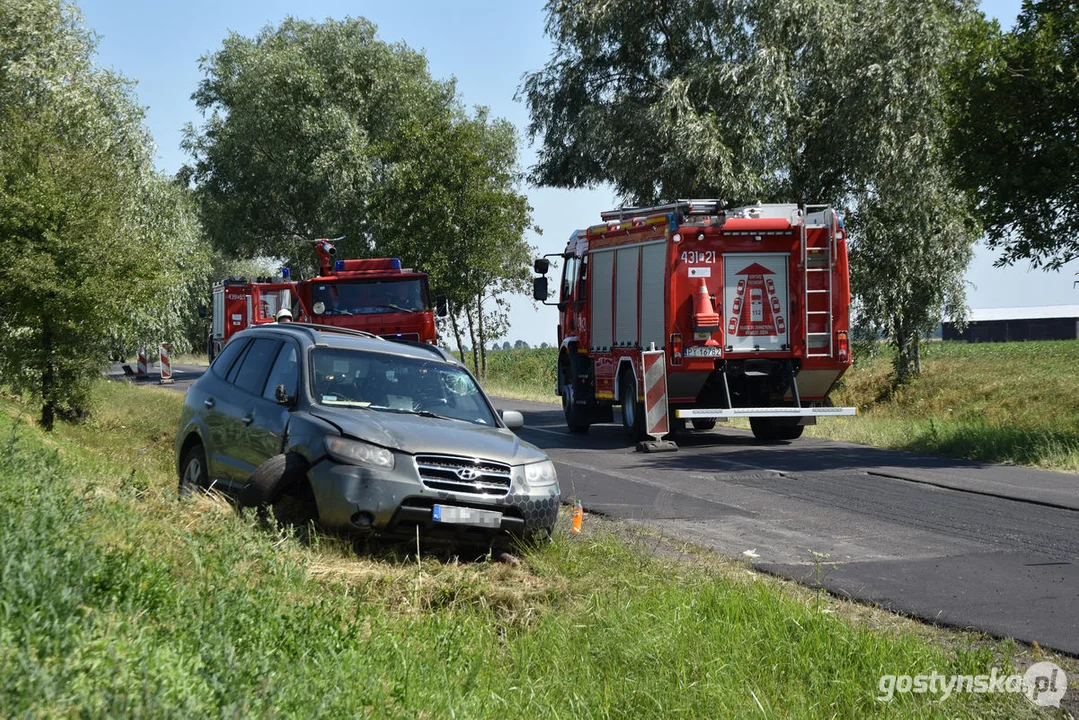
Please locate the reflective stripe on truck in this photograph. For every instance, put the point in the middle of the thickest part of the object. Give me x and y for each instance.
(765, 412)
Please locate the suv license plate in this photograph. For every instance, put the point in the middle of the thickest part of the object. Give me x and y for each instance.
(466, 516)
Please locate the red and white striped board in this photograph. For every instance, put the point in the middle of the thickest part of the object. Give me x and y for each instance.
(166, 364)
(141, 370)
(655, 393)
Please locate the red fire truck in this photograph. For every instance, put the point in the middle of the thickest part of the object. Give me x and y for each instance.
(376, 295)
(750, 307)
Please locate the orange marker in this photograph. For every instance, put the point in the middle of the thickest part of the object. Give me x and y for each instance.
(578, 517)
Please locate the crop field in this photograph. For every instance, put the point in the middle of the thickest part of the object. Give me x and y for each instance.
(998, 402)
(118, 599)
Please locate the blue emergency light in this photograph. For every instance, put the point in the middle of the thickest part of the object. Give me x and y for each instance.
(284, 274)
(338, 265)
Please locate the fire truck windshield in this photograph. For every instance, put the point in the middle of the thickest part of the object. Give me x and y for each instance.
(365, 297)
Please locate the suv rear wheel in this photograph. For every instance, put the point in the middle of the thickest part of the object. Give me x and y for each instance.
(193, 475)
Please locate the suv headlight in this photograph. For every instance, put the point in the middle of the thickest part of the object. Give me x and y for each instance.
(536, 475)
(354, 452)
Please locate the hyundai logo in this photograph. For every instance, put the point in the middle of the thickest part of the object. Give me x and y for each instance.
(467, 473)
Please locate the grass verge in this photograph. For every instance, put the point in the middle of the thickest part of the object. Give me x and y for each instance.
(118, 599)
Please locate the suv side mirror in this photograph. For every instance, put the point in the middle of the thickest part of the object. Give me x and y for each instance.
(513, 419)
(539, 289)
(202, 311)
(283, 398)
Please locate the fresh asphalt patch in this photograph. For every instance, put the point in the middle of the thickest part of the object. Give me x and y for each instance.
(1021, 595)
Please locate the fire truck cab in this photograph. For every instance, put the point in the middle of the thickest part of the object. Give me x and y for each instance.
(375, 295)
(750, 307)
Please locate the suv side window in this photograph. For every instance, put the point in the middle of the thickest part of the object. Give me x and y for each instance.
(285, 372)
(228, 355)
(234, 371)
(256, 365)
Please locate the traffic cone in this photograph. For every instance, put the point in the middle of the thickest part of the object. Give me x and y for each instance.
(705, 317)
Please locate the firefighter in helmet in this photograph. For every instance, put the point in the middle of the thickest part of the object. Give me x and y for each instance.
(284, 315)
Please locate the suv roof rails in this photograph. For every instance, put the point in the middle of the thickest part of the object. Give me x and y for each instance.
(331, 329)
(442, 353)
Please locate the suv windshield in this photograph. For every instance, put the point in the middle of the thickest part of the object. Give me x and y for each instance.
(396, 383)
(369, 296)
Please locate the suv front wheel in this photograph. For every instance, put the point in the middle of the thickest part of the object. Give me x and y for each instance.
(281, 483)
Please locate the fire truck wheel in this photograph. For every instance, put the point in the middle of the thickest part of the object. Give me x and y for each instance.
(768, 430)
(704, 423)
(281, 483)
(632, 410)
(572, 411)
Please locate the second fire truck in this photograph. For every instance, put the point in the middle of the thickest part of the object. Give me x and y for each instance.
(750, 308)
(376, 295)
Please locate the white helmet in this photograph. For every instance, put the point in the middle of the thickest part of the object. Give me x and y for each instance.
(284, 314)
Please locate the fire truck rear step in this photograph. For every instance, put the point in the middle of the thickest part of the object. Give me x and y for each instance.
(720, 413)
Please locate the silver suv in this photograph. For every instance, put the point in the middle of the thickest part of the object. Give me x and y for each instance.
(364, 435)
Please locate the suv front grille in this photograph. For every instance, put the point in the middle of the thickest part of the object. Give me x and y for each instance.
(464, 475)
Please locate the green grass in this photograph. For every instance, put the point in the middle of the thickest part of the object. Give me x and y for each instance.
(521, 374)
(116, 599)
(998, 402)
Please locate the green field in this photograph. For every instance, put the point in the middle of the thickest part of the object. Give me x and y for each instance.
(999, 402)
(117, 599)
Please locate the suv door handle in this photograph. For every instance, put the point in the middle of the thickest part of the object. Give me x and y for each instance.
(248, 418)
(208, 402)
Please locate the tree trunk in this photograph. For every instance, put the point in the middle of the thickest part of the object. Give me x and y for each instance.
(472, 335)
(483, 339)
(908, 354)
(457, 334)
(48, 380)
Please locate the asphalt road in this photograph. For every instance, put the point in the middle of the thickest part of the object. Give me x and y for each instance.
(957, 543)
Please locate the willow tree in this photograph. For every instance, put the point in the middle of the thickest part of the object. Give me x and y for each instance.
(820, 101)
(323, 130)
(88, 230)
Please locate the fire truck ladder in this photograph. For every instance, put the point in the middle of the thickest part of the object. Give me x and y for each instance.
(817, 262)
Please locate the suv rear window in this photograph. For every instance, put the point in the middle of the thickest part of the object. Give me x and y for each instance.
(256, 365)
(228, 355)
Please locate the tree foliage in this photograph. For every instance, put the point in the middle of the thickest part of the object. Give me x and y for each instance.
(89, 242)
(1015, 131)
(819, 101)
(322, 130)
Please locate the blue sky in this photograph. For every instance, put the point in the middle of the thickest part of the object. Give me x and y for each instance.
(487, 45)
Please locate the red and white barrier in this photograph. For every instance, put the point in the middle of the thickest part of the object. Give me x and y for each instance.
(166, 364)
(655, 393)
(141, 371)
